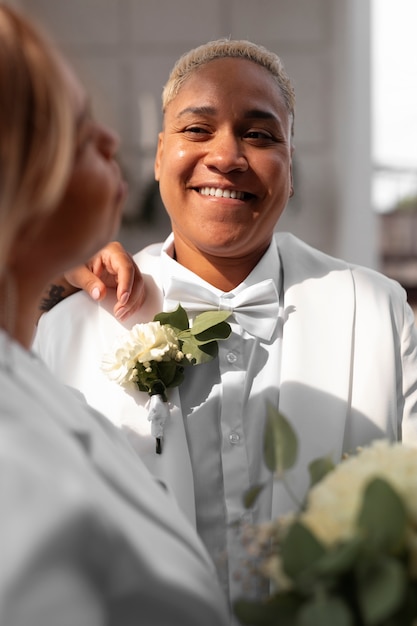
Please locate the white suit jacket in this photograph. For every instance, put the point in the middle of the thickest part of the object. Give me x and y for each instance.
(348, 375)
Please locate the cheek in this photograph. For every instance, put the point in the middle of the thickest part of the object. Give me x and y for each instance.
(90, 188)
(176, 161)
(89, 204)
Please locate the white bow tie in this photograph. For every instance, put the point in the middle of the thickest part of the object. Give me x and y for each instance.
(255, 308)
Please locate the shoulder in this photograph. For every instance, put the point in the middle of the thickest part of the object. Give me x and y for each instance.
(298, 255)
(300, 258)
(148, 259)
(80, 315)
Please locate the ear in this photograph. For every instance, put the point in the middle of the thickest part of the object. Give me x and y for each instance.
(158, 157)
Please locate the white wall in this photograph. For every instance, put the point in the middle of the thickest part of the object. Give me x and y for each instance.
(125, 49)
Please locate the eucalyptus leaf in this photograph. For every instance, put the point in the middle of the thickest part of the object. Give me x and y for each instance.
(381, 589)
(251, 495)
(319, 468)
(217, 332)
(327, 611)
(280, 442)
(200, 353)
(340, 558)
(383, 516)
(208, 319)
(178, 318)
(300, 550)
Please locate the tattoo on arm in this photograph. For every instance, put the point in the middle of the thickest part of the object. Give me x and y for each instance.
(53, 295)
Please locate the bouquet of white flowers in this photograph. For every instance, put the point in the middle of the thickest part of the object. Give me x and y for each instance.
(153, 356)
(349, 557)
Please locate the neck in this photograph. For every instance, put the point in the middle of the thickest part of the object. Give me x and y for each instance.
(19, 309)
(224, 273)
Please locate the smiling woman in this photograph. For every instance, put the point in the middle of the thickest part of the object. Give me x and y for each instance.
(226, 142)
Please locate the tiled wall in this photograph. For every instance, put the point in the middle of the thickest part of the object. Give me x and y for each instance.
(125, 49)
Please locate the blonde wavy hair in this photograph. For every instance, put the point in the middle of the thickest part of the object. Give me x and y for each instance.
(226, 48)
(36, 127)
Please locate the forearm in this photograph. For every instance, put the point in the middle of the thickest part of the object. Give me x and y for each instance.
(57, 290)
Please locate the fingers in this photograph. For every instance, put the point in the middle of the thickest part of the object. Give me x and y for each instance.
(83, 278)
(127, 304)
(112, 267)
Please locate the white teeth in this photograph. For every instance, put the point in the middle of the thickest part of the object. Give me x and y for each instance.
(221, 193)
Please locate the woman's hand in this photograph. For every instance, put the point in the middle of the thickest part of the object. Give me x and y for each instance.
(111, 268)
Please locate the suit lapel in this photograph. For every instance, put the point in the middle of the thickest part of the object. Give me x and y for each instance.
(317, 344)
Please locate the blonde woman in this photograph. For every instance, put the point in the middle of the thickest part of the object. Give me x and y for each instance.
(87, 536)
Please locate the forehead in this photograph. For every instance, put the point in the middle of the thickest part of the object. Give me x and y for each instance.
(228, 81)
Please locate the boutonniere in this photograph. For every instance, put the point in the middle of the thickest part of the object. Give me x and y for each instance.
(153, 356)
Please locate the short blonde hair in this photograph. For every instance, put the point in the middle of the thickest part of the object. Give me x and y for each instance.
(37, 123)
(226, 48)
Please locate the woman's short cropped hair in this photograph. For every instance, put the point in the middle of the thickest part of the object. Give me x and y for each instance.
(224, 48)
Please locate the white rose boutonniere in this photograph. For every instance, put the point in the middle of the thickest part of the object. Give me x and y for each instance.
(153, 356)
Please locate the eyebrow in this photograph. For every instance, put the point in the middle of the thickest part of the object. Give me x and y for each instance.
(260, 114)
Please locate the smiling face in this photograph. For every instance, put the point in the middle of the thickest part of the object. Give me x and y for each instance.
(224, 162)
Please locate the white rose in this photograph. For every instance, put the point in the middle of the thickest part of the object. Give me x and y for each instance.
(153, 342)
(334, 503)
(144, 343)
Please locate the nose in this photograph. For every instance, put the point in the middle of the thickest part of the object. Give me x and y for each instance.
(108, 142)
(226, 153)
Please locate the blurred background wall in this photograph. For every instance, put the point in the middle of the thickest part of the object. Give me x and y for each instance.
(125, 49)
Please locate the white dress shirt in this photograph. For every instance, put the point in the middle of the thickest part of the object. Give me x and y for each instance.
(224, 407)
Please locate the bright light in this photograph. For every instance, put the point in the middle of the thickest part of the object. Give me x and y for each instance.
(394, 96)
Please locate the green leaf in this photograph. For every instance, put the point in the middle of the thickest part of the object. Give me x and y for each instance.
(383, 516)
(252, 494)
(178, 318)
(280, 609)
(200, 353)
(340, 558)
(280, 442)
(325, 611)
(171, 373)
(166, 371)
(319, 468)
(218, 332)
(208, 319)
(300, 550)
(381, 589)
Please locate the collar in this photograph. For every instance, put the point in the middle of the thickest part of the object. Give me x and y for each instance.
(268, 267)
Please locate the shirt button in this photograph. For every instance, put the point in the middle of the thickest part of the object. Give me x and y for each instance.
(234, 438)
(231, 357)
